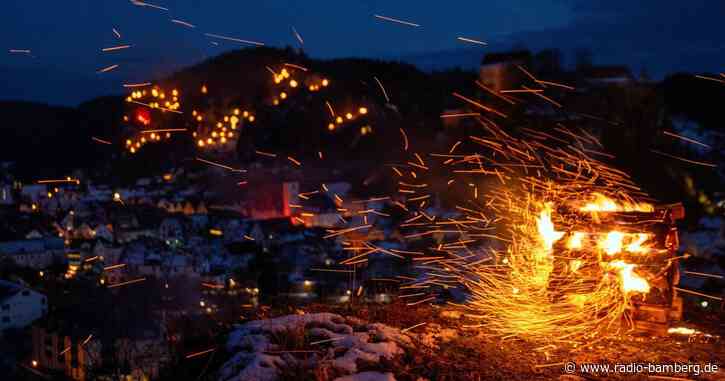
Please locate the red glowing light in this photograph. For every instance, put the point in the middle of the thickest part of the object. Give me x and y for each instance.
(143, 116)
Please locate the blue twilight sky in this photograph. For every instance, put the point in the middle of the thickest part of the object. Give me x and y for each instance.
(66, 37)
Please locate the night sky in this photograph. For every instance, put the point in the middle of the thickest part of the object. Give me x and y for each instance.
(66, 37)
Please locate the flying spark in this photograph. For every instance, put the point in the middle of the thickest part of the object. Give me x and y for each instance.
(234, 39)
(295, 66)
(265, 153)
(126, 283)
(196, 354)
(158, 107)
(460, 115)
(710, 78)
(220, 165)
(164, 130)
(66, 180)
(294, 161)
(464, 39)
(405, 139)
(144, 4)
(702, 163)
(113, 267)
(114, 48)
(184, 23)
(107, 69)
(133, 85)
(386, 18)
(385, 93)
(100, 140)
(685, 139)
(298, 36)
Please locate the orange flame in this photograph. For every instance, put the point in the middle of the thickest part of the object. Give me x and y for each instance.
(575, 241)
(612, 243)
(548, 234)
(602, 203)
(636, 245)
(631, 282)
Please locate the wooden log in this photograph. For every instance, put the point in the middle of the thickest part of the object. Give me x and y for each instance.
(657, 329)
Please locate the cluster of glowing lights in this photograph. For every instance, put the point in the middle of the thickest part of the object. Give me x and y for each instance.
(210, 131)
(156, 98)
(284, 79)
(224, 132)
(315, 83)
(340, 120)
(133, 145)
(316, 86)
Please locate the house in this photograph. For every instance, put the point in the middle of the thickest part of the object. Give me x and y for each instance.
(171, 229)
(319, 211)
(500, 71)
(72, 355)
(179, 265)
(272, 200)
(74, 347)
(7, 194)
(37, 253)
(19, 306)
(608, 76)
(103, 231)
(144, 350)
(34, 192)
(130, 225)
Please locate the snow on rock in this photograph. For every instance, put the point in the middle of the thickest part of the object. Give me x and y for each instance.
(368, 376)
(435, 334)
(344, 343)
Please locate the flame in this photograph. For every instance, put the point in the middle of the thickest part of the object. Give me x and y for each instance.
(630, 281)
(612, 243)
(545, 226)
(602, 203)
(636, 245)
(575, 241)
(575, 264)
(682, 331)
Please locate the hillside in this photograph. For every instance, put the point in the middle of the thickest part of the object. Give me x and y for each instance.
(241, 78)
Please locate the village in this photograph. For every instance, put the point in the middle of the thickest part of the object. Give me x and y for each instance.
(102, 279)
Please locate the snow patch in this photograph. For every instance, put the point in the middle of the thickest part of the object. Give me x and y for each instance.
(344, 348)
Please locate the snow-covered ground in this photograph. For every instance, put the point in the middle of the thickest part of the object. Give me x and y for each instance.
(341, 347)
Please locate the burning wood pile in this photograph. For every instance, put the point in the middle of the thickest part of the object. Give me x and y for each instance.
(639, 243)
(582, 270)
